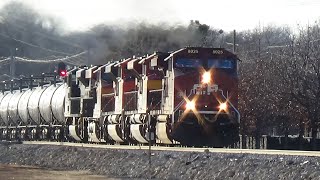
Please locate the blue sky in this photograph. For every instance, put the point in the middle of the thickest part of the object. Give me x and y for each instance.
(224, 14)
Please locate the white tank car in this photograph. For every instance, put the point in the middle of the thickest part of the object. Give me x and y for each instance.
(33, 104)
(4, 108)
(13, 106)
(45, 103)
(23, 106)
(51, 103)
(57, 103)
(2, 95)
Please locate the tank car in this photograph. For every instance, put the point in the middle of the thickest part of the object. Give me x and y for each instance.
(31, 111)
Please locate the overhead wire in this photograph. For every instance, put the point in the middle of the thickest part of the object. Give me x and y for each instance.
(75, 62)
(4, 60)
(36, 46)
(65, 59)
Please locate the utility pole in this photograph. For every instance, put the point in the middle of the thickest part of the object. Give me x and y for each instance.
(12, 63)
(149, 134)
(221, 37)
(234, 41)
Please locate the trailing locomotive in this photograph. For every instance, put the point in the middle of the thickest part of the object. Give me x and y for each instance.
(187, 97)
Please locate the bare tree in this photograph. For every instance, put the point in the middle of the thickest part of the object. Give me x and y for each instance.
(299, 67)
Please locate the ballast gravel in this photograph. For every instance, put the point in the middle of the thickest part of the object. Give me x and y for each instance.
(164, 164)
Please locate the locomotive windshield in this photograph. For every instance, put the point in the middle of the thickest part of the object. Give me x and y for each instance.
(210, 63)
(106, 77)
(221, 63)
(187, 63)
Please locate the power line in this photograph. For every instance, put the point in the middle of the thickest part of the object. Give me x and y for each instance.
(67, 59)
(76, 61)
(73, 62)
(4, 60)
(29, 44)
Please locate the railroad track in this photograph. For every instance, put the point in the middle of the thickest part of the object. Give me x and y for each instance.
(182, 149)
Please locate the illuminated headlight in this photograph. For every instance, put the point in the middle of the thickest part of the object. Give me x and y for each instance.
(206, 77)
(190, 105)
(223, 106)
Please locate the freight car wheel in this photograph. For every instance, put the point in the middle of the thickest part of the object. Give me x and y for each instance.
(11, 134)
(43, 133)
(28, 135)
(5, 133)
(33, 133)
(56, 133)
(20, 134)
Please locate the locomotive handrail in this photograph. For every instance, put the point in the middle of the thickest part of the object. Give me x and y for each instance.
(173, 53)
(101, 68)
(110, 94)
(156, 90)
(74, 98)
(130, 92)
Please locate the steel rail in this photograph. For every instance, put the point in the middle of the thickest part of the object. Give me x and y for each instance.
(181, 149)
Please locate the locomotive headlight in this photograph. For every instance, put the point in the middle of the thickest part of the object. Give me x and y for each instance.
(206, 78)
(190, 105)
(223, 106)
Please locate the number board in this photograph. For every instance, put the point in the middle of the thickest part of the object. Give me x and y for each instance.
(193, 51)
(217, 51)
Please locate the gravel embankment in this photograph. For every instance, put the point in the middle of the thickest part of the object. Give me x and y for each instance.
(165, 165)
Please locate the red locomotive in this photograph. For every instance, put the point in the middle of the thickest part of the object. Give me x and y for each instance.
(205, 96)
